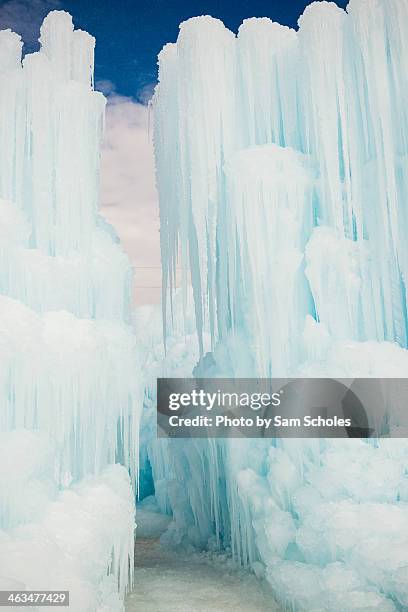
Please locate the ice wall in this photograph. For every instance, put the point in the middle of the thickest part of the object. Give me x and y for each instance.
(63, 538)
(179, 359)
(334, 93)
(57, 255)
(282, 172)
(69, 389)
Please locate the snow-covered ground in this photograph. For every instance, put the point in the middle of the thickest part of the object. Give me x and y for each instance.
(174, 581)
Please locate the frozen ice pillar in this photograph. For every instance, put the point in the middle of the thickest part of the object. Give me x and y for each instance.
(334, 92)
(70, 51)
(49, 170)
(63, 117)
(10, 45)
(69, 393)
(64, 282)
(283, 182)
(269, 194)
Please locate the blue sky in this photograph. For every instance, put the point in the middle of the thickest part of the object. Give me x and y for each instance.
(130, 33)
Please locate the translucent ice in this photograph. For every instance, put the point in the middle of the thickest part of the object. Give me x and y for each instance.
(283, 184)
(79, 539)
(329, 92)
(70, 395)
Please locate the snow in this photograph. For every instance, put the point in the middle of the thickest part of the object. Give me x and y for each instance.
(65, 539)
(70, 395)
(282, 179)
(170, 581)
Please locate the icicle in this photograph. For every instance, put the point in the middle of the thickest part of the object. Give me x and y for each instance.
(56, 42)
(10, 51)
(283, 182)
(68, 360)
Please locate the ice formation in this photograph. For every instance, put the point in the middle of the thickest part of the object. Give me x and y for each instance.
(179, 359)
(307, 130)
(282, 172)
(69, 388)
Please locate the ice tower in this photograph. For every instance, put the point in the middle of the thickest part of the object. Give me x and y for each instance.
(69, 394)
(306, 131)
(283, 179)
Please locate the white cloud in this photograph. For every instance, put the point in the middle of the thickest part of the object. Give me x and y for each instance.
(129, 197)
(25, 17)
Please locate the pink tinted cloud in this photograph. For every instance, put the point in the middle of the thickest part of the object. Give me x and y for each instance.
(129, 198)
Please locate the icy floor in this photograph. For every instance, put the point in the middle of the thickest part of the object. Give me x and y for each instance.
(169, 581)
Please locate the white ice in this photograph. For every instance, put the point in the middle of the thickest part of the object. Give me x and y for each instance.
(283, 184)
(70, 389)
